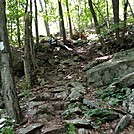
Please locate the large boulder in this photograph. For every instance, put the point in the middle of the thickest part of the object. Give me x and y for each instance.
(107, 72)
(17, 61)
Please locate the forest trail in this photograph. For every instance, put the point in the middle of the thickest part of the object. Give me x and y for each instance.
(62, 97)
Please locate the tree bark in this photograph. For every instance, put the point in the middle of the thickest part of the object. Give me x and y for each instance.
(95, 21)
(131, 9)
(18, 26)
(36, 23)
(115, 4)
(69, 19)
(125, 19)
(7, 78)
(27, 56)
(45, 20)
(62, 20)
(107, 9)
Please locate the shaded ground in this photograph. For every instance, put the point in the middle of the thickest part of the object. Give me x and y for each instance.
(47, 101)
(60, 92)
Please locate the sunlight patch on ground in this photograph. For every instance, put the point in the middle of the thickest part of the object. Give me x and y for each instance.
(92, 37)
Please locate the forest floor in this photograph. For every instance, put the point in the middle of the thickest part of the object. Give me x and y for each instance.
(48, 99)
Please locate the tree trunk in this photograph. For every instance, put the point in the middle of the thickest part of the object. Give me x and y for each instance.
(107, 9)
(32, 44)
(18, 32)
(36, 23)
(62, 20)
(115, 4)
(95, 21)
(131, 9)
(46, 20)
(27, 56)
(18, 27)
(79, 19)
(61, 29)
(125, 19)
(7, 78)
(69, 19)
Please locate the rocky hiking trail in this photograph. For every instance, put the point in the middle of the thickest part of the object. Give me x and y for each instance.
(85, 91)
(64, 103)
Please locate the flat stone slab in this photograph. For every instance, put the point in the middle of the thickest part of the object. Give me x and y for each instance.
(33, 104)
(54, 130)
(30, 129)
(80, 123)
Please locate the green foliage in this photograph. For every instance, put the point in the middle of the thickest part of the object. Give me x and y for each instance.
(97, 113)
(68, 115)
(24, 85)
(72, 129)
(15, 10)
(114, 96)
(7, 130)
(25, 89)
(9, 125)
(100, 116)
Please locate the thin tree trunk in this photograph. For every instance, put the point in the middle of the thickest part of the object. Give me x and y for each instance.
(69, 19)
(61, 29)
(115, 4)
(95, 21)
(32, 44)
(46, 20)
(36, 23)
(125, 19)
(62, 20)
(107, 9)
(18, 26)
(27, 56)
(79, 25)
(7, 78)
(101, 15)
(18, 32)
(131, 9)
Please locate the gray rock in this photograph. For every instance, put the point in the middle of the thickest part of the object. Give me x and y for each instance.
(17, 62)
(69, 62)
(123, 123)
(54, 130)
(30, 129)
(61, 95)
(32, 112)
(69, 112)
(125, 81)
(46, 96)
(46, 107)
(51, 61)
(79, 89)
(80, 123)
(59, 105)
(130, 103)
(75, 84)
(82, 131)
(90, 65)
(105, 73)
(33, 104)
(58, 90)
(90, 103)
(75, 96)
(96, 62)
